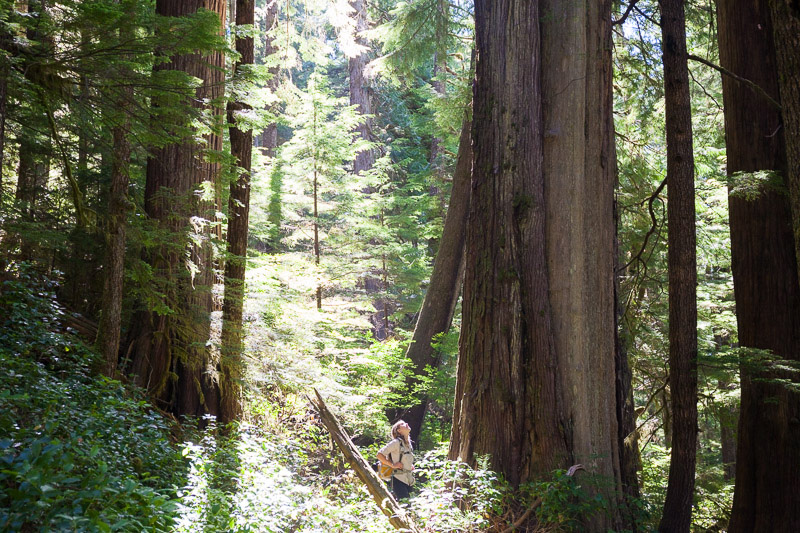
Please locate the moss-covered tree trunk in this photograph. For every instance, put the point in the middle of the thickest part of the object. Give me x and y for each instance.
(169, 354)
(766, 496)
(682, 262)
(231, 365)
(110, 325)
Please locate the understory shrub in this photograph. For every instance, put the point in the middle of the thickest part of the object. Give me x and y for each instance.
(77, 452)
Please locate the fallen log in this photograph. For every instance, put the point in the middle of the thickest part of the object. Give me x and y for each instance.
(398, 516)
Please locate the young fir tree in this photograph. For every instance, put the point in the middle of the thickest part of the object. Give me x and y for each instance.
(323, 144)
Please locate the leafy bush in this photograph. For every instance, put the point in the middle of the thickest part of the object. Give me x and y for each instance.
(77, 453)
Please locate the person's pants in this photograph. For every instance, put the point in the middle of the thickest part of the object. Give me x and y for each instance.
(400, 490)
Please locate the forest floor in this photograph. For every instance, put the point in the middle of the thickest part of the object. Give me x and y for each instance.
(280, 471)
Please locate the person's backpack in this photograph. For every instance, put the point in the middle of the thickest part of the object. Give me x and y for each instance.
(384, 472)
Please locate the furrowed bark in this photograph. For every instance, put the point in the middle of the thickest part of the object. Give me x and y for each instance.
(682, 270)
(231, 362)
(766, 495)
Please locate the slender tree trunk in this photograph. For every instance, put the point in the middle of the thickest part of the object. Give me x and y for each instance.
(360, 92)
(5, 41)
(268, 140)
(231, 364)
(682, 270)
(627, 433)
(439, 304)
(316, 241)
(3, 101)
(109, 328)
(767, 492)
(166, 344)
(439, 88)
(728, 417)
(34, 139)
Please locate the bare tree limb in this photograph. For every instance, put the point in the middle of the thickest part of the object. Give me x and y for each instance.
(756, 88)
(624, 16)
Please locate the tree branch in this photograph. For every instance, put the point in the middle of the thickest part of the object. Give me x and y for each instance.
(756, 88)
(624, 16)
(652, 227)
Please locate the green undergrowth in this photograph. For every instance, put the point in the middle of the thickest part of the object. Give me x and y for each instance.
(80, 452)
(77, 452)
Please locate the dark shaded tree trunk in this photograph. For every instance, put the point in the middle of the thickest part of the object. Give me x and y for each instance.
(165, 344)
(786, 38)
(627, 432)
(536, 371)
(34, 143)
(5, 44)
(110, 325)
(767, 492)
(682, 262)
(3, 106)
(728, 418)
(231, 364)
(441, 298)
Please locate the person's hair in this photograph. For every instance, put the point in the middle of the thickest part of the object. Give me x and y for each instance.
(396, 434)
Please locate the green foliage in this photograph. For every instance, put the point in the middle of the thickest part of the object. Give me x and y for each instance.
(750, 185)
(565, 502)
(77, 453)
(452, 496)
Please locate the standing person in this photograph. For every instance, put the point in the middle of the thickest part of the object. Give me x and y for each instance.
(398, 454)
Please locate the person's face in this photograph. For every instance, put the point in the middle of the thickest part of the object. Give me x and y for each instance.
(404, 429)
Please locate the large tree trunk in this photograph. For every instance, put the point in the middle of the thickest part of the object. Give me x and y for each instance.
(682, 261)
(536, 371)
(231, 364)
(167, 344)
(439, 304)
(767, 495)
(786, 37)
(507, 401)
(580, 174)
